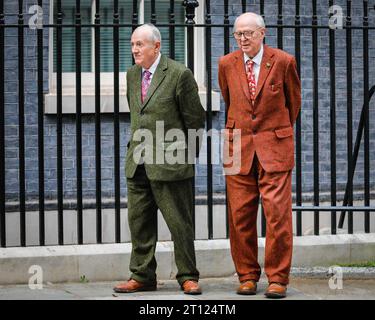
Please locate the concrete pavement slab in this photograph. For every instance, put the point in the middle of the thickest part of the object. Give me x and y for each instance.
(300, 288)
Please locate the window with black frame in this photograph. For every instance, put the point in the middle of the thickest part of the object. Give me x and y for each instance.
(162, 8)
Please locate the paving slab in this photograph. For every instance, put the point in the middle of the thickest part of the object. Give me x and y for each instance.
(213, 289)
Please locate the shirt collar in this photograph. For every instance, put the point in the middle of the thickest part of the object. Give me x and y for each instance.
(152, 69)
(257, 59)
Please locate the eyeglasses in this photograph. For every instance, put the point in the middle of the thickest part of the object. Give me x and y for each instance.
(246, 34)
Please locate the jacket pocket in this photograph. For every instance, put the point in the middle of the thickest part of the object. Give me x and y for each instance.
(276, 86)
(230, 124)
(284, 133)
(166, 99)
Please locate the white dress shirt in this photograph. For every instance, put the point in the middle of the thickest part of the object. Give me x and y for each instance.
(152, 69)
(257, 61)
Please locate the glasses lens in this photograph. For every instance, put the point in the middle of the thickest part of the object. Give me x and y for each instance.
(248, 34)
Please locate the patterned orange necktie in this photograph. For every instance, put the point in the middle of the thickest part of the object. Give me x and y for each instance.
(251, 79)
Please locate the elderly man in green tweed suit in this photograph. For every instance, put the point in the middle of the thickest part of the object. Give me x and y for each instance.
(162, 96)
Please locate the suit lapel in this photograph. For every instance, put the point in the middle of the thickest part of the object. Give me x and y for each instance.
(265, 68)
(240, 65)
(157, 79)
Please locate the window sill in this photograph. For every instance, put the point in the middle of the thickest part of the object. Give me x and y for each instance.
(107, 102)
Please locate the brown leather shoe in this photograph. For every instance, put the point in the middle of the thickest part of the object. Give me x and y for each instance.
(276, 290)
(191, 287)
(134, 286)
(248, 287)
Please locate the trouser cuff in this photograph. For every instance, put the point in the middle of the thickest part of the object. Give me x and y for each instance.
(247, 277)
(282, 280)
(181, 280)
(142, 279)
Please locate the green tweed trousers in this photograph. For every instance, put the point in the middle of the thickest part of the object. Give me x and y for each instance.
(175, 201)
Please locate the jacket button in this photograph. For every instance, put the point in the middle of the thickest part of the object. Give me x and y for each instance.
(253, 116)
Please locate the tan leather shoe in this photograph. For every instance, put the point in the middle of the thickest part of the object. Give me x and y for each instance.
(134, 286)
(191, 287)
(276, 290)
(248, 287)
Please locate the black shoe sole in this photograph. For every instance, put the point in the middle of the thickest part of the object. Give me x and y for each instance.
(275, 295)
(135, 290)
(247, 293)
(193, 292)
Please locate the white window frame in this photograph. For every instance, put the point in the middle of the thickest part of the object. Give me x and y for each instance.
(106, 78)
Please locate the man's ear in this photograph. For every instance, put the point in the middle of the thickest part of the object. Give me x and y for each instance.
(264, 30)
(157, 45)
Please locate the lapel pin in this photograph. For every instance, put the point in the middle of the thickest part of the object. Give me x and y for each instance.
(268, 65)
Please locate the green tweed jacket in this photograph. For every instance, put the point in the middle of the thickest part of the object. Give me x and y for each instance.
(172, 102)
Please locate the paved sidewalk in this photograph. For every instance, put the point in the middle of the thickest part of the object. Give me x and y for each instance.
(213, 289)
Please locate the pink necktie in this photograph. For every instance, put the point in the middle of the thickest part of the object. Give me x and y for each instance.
(145, 83)
(251, 78)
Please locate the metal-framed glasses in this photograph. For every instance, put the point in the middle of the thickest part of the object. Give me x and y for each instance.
(247, 34)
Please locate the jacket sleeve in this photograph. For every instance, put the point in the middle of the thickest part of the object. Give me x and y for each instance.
(191, 109)
(223, 84)
(292, 87)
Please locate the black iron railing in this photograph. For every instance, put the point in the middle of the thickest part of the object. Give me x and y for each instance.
(190, 25)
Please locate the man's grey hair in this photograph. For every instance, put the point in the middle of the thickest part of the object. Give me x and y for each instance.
(154, 34)
(258, 19)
